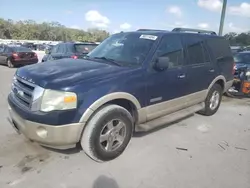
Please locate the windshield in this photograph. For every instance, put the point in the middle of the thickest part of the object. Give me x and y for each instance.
(242, 57)
(84, 48)
(125, 48)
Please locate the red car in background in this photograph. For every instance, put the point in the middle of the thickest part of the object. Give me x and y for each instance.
(13, 56)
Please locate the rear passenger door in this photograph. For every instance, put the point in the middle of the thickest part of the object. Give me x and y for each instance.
(201, 70)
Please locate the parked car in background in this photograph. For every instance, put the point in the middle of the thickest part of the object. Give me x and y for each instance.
(242, 61)
(133, 81)
(237, 49)
(29, 45)
(14, 44)
(40, 47)
(247, 48)
(16, 56)
(69, 50)
(241, 85)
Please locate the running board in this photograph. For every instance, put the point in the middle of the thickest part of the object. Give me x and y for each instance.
(155, 123)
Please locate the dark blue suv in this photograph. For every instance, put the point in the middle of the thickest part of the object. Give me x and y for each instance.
(132, 81)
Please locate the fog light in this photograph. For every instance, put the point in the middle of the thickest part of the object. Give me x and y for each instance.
(42, 132)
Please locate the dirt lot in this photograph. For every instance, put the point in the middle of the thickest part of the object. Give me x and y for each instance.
(216, 154)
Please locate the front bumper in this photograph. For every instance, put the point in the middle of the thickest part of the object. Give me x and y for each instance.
(59, 137)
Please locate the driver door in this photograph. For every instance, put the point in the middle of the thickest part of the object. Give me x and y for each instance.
(166, 89)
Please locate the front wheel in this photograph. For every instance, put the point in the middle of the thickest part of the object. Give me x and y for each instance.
(213, 100)
(108, 133)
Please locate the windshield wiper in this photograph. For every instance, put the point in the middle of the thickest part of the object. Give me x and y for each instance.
(108, 60)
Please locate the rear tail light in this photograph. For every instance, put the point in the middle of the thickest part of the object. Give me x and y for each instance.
(234, 68)
(74, 57)
(35, 55)
(15, 55)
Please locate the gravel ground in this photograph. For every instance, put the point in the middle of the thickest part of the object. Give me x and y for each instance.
(216, 154)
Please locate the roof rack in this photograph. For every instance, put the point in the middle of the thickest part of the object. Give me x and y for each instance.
(194, 31)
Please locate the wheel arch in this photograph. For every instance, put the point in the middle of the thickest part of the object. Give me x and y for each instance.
(123, 99)
(221, 80)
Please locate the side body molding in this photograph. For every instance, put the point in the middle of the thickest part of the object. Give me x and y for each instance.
(107, 98)
(142, 112)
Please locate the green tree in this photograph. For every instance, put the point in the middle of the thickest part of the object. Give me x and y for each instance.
(31, 30)
(242, 39)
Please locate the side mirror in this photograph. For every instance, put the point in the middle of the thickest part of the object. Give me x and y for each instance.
(162, 63)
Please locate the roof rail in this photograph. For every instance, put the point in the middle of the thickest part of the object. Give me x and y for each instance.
(194, 31)
(150, 30)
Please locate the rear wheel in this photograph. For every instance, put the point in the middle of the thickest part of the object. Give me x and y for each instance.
(10, 64)
(108, 133)
(213, 100)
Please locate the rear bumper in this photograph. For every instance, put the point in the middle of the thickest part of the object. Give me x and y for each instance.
(59, 137)
(25, 62)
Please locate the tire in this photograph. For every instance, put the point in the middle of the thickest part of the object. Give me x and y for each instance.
(99, 138)
(10, 64)
(211, 109)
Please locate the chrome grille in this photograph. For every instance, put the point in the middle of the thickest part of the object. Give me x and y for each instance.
(22, 91)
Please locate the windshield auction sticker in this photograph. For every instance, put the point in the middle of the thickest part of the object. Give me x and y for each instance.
(149, 37)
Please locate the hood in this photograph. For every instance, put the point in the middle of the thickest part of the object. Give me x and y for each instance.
(66, 72)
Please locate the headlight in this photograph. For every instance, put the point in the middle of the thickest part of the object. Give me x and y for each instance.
(58, 100)
(248, 73)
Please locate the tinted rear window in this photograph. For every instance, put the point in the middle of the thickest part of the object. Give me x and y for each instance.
(219, 47)
(84, 48)
(242, 57)
(21, 49)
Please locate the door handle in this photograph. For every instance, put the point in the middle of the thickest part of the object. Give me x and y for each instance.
(211, 70)
(181, 76)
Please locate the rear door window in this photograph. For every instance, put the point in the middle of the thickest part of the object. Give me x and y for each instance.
(84, 48)
(54, 49)
(195, 50)
(60, 49)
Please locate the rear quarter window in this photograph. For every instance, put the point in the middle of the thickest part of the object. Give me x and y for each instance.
(219, 47)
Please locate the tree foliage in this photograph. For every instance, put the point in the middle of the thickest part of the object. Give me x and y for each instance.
(51, 31)
(242, 39)
(54, 31)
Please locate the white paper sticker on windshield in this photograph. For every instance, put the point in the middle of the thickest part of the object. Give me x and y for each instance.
(149, 37)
